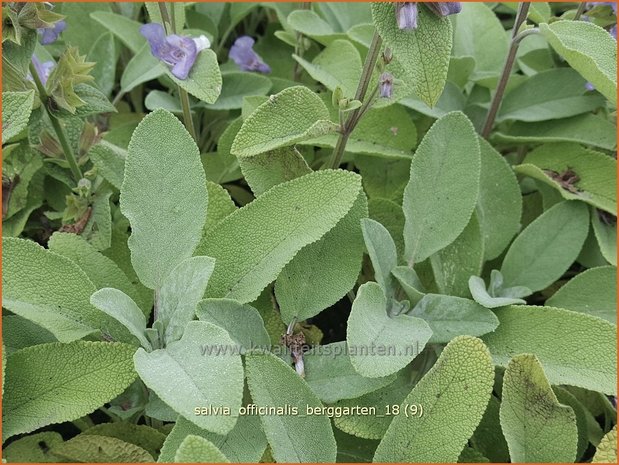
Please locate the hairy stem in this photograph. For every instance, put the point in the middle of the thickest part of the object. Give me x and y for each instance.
(580, 11)
(362, 88)
(298, 49)
(58, 129)
(521, 17)
(182, 93)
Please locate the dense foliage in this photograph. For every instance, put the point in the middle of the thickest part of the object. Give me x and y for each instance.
(309, 232)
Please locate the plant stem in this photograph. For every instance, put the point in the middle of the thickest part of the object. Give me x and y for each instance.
(299, 48)
(521, 17)
(580, 11)
(182, 93)
(60, 133)
(355, 115)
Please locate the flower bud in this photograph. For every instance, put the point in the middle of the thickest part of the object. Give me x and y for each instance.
(387, 56)
(406, 15)
(385, 85)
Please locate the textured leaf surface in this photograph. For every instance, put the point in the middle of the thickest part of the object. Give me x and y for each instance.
(237, 86)
(593, 291)
(142, 436)
(242, 322)
(332, 377)
(196, 449)
(452, 410)
(450, 316)
(443, 187)
(527, 330)
(163, 195)
(16, 108)
(204, 81)
(605, 232)
(607, 449)
(588, 49)
(382, 252)
(424, 53)
(19, 333)
(34, 448)
(323, 272)
(185, 378)
(253, 244)
(403, 337)
(52, 291)
(546, 433)
(480, 294)
(295, 114)
(180, 293)
(293, 438)
(596, 183)
(547, 247)
(91, 448)
(53, 383)
(499, 206)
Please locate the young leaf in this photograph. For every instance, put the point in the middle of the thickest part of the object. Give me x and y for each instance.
(122, 308)
(546, 433)
(452, 410)
(423, 53)
(288, 216)
(450, 316)
(400, 338)
(246, 442)
(293, 115)
(443, 187)
(382, 252)
(53, 292)
(464, 257)
(588, 49)
(101, 270)
(207, 378)
(527, 329)
(109, 161)
(293, 438)
(547, 247)
(499, 206)
(163, 195)
(410, 282)
(593, 291)
(180, 293)
(477, 287)
(16, 108)
(332, 377)
(577, 173)
(242, 322)
(323, 272)
(196, 449)
(607, 449)
(53, 383)
(91, 448)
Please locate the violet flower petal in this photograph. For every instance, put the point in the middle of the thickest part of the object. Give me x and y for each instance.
(406, 15)
(445, 8)
(385, 85)
(50, 34)
(179, 52)
(243, 54)
(43, 69)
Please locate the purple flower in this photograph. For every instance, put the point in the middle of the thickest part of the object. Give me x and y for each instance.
(42, 69)
(50, 34)
(385, 85)
(406, 15)
(445, 8)
(242, 53)
(179, 52)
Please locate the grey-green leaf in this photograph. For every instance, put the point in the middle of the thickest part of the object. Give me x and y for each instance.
(196, 449)
(443, 188)
(16, 108)
(382, 252)
(547, 433)
(163, 195)
(293, 438)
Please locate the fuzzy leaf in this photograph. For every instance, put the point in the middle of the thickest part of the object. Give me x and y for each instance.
(142, 436)
(204, 81)
(288, 217)
(402, 337)
(423, 53)
(477, 287)
(16, 108)
(593, 291)
(53, 292)
(605, 232)
(547, 247)
(452, 410)
(527, 330)
(443, 187)
(547, 433)
(607, 449)
(450, 316)
(34, 448)
(293, 438)
(237, 86)
(53, 383)
(127, 30)
(185, 376)
(323, 272)
(163, 195)
(293, 115)
(588, 49)
(196, 449)
(91, 448)
(332, 377)
(382, 252)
